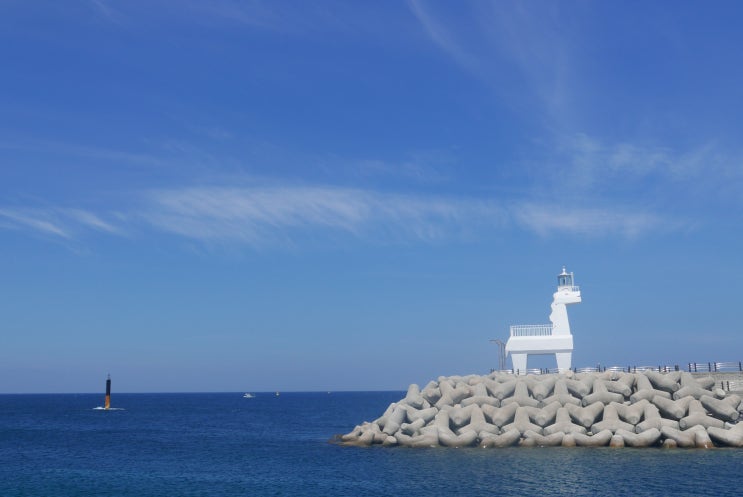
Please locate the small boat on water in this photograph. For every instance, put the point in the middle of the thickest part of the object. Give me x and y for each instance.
(248, 396)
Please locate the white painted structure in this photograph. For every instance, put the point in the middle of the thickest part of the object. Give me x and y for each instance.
(552, 338)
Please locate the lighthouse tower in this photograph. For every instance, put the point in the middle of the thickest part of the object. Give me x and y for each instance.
(552, 338)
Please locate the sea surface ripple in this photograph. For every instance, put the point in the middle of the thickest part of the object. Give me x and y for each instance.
(224, 444)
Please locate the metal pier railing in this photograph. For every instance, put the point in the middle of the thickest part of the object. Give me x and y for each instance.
(714, 367)
(725, 368)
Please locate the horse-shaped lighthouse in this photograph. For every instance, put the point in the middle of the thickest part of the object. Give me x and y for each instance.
(552, 338)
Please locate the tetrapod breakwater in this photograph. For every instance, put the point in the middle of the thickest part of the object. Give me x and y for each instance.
(609, 408)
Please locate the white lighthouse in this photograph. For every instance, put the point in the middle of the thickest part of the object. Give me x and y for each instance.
(552, 338)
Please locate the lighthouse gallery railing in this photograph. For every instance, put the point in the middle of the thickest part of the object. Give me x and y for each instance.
(531, 330)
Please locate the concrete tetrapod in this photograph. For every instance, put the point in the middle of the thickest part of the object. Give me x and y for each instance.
(448, 438)
(735, 401)
(478, 423)
(546, 415)
(674, 409)
(601, 394)
(732, 436)
(652, 419)
(381, 420)
(429, 437)
(686, 438)
(431, 393)
(521, 396)
(666, 382)
(585, 416)
(522, 423)
(706, 382)
(395, 420)
(611, 421)
(689, 380)
(690, 391)
(619, 387)
(500, 416)
(632, 413)
(534, 439)
(645, 390)
(541, 388)
(599, 439)
(698, 416)
(644, 439)
(503, 390)
(414, 398)
(626, 380)
(412, 428)
(616, 441)
(578, 388)
(563, 423)
(480, 396)
(702, 440)
(425, 414)
(503, 440)
(560, 394)
(719, 408)
(451, 395)
(459, 416)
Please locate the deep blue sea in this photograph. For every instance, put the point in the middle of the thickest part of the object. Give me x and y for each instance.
(224, 444)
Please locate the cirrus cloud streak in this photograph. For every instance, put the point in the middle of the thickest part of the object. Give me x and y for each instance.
(269, 214)
(261, 216)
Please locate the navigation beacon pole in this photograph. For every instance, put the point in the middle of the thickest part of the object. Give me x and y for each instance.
(108, 393)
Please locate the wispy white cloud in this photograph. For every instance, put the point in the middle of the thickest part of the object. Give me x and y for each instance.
(105, 155)
(36, 220)
(586, 161)
(286, 18)
(444, 37)
(103, 8)
(421, 167)
(263, 215)
(514, 47)
(267, 215)
(60, 223)
(260, 216)
(551, 219)
(287, 215)
(90, 220)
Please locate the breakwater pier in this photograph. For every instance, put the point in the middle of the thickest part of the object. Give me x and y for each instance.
(645, 408)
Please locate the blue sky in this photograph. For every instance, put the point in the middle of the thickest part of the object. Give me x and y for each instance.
(250, 196)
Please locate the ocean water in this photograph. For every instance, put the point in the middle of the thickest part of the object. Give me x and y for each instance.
(223, 444)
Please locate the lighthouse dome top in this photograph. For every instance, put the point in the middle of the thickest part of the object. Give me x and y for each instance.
(564, 279)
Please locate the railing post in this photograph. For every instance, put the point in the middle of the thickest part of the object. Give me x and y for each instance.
(740, 366)
(709, 368)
